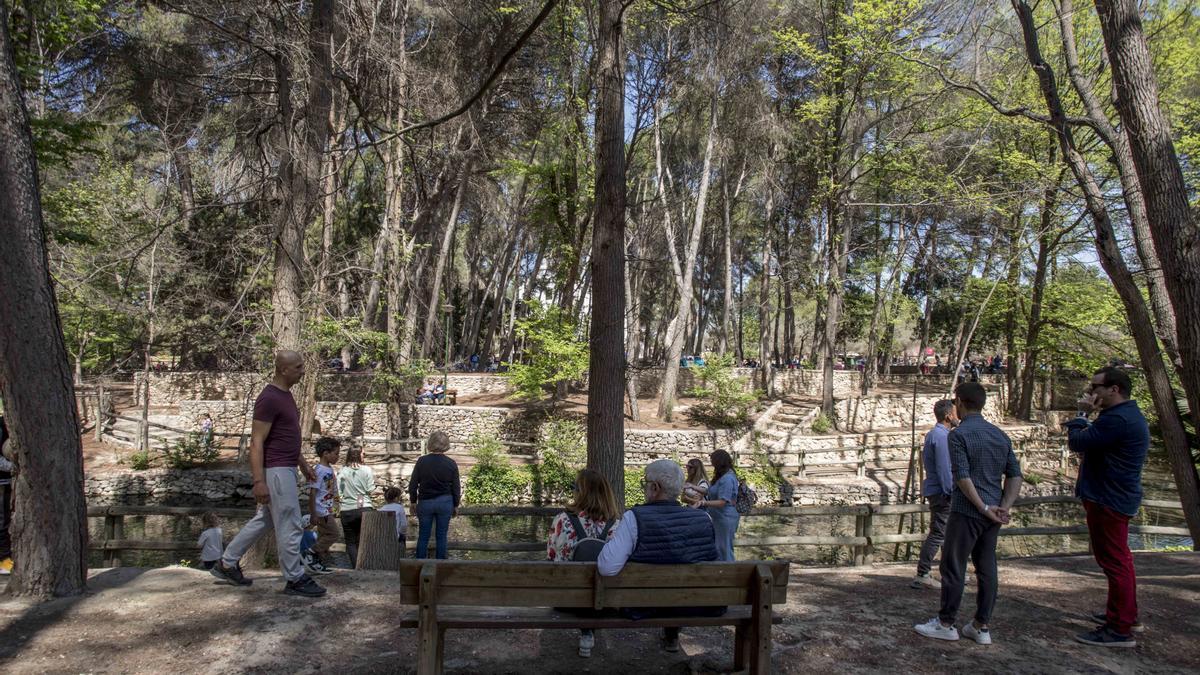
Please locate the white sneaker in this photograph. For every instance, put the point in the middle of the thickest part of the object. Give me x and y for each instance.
(925, 581)
(982, 637)
(933, 628)
(586, 642)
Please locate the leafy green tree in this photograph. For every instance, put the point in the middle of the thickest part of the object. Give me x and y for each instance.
(554, 351)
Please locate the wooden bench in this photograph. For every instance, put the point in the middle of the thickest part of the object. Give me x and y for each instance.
(506, 595)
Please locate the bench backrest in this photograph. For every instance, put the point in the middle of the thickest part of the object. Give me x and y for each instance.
(577, 584)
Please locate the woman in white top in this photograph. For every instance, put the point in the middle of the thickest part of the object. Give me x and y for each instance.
(697, 481)
(356, 483)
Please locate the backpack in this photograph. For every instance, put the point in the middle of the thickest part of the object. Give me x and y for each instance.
(746, 498)
(587, 549)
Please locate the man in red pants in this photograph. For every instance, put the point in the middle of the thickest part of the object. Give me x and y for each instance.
(1110, 484)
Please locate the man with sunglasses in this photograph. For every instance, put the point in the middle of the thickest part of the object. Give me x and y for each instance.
(1113, 449)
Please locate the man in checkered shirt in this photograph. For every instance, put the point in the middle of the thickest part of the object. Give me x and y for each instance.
(981, 456)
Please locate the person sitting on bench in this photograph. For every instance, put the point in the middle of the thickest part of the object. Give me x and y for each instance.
(662, 532)
(426, 395)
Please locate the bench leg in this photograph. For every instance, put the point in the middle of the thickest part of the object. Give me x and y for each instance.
(742, 646)
(441, 650)
(429, 653)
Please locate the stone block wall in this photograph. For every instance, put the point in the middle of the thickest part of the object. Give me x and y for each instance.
(643, 446)
(461, 422)
(895, 412)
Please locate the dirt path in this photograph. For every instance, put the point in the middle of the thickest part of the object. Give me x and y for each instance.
(841, 620)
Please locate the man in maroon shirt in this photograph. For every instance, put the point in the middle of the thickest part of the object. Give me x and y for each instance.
(274, 456)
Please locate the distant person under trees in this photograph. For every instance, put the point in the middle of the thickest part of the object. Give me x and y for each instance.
(937, 488)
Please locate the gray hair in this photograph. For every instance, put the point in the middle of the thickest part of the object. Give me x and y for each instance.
(669, 476)
(438, 441)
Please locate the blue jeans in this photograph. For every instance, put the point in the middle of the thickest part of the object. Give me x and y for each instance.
(725, 523)
(432, 512)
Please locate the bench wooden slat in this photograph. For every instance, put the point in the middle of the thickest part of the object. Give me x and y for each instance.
(541, 617)
(471, 596)
(543, 574)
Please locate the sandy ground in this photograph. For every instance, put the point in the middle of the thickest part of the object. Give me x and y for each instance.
(837, 620)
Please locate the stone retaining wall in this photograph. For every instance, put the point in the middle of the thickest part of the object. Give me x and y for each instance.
(174, 388)
(896, 412)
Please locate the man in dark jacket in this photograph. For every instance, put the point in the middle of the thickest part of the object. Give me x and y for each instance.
(661, 532)
(1114, 450)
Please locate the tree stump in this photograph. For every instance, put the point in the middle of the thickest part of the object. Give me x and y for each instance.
(262, 554)
(378, 548)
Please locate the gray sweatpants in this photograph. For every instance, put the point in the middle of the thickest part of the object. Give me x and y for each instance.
(282, 514)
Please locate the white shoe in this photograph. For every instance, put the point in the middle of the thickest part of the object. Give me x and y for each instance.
(586, 643)
(982, 637)
(933, 628)
(925, 581)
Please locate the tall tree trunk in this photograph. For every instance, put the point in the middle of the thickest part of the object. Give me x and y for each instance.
(300, 172)
(606, 376)
(439, 265)
(1157, 379)
(1047, 240)
(49, 528)
(1118, 142)
(685, 269)
(764, 298)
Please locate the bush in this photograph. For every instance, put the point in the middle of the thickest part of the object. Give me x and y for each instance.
(563, 451)
(493, 480)
(822, 424)
(140, 460)
(724, 399)
(633, 487)
(190, 452)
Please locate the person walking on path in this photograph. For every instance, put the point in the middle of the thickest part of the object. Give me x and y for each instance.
(356, 482)
(720, 501)
(274, 456)
(936, 488)
(1113, 450)
(980, 456)
(436, 491)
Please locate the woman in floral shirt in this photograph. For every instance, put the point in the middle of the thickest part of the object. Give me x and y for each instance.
(595, 506)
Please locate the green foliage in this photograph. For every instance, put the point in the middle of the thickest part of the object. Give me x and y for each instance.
(555, 351)
(724, 401)
(563, 451)
(190, 452)
(139, 460)
(493, 480)
(822, 424)
(633, 487)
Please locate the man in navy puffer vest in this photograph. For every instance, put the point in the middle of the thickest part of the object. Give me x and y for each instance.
(662, 532)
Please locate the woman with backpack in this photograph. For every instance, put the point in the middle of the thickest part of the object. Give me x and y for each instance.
(721, 503)
(579, 533)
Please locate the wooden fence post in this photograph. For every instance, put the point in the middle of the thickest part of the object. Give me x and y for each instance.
(868, 531)
(114, 529)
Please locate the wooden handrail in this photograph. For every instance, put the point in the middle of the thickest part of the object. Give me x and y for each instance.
(863, 542)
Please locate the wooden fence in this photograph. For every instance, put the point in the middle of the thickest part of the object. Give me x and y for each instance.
(862, 543)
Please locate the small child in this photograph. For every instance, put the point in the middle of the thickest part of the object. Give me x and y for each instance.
(394, 505)
(210, 540)
(307, 539)
(323, 495)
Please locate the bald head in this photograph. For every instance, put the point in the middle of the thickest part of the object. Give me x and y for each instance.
(289, 368)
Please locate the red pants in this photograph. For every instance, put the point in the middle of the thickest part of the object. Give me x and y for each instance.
(1109, 532)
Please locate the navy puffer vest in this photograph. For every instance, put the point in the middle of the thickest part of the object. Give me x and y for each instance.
(670, 534)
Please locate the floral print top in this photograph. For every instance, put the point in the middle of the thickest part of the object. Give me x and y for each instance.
(560, 544)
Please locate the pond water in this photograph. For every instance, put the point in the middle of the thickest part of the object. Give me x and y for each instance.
(509, 529)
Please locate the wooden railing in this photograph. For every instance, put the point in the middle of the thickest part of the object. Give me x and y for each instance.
(862, 543)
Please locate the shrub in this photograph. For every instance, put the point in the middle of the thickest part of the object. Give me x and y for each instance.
(189, 452)
(633, 487)
(822, 424)
(140, 460)
(493, 480)
(563, 452)
(724, 399)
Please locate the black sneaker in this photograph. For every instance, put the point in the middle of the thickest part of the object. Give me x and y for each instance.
(304, 586)
(1106, 637)
(231, 575)
(1102, 619)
